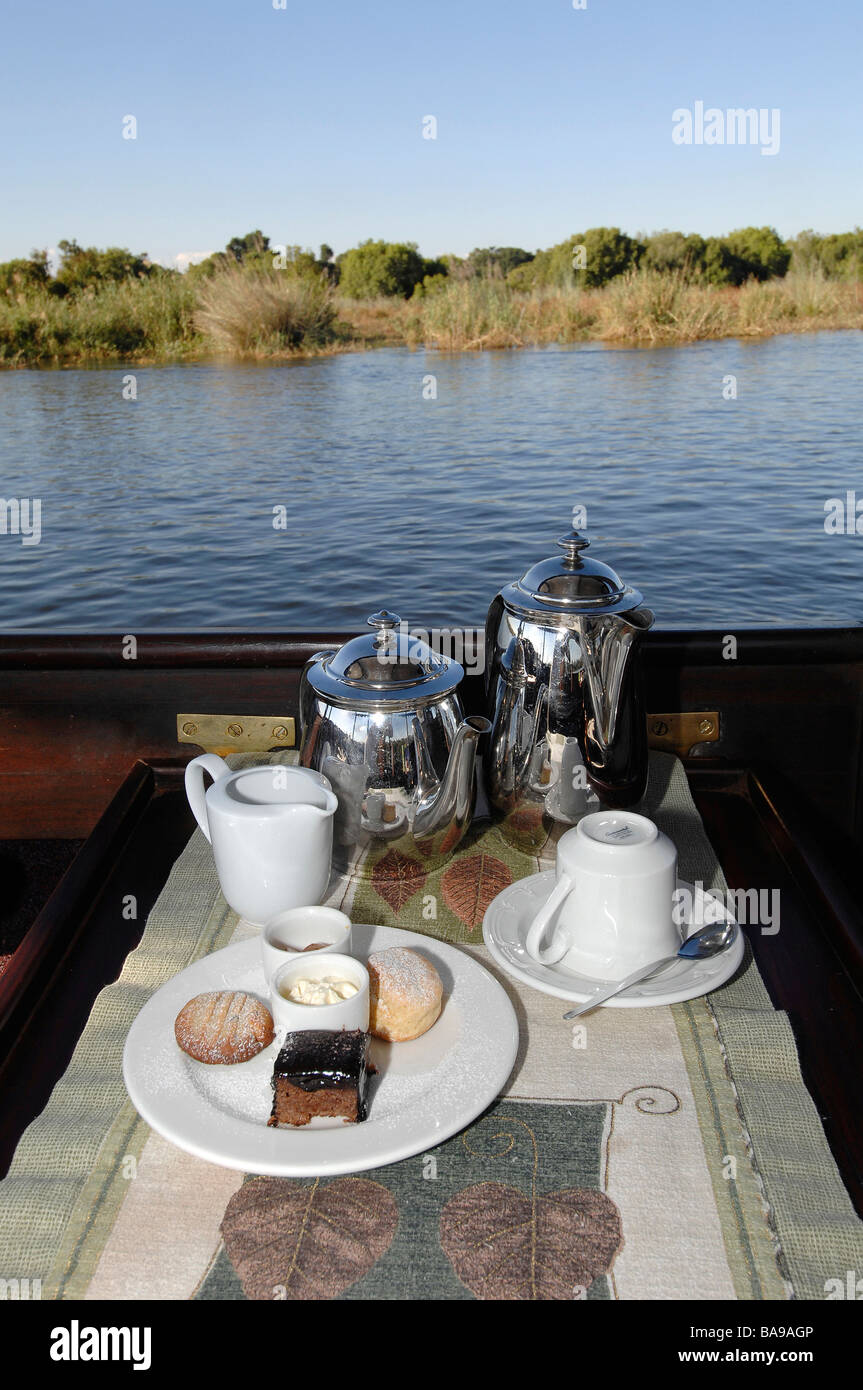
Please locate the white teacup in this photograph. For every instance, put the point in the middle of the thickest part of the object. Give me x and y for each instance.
(612, 907)
(349, 1013)
(299, 930)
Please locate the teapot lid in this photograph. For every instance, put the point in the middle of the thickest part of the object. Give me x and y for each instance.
(570, 584)
(386, 668)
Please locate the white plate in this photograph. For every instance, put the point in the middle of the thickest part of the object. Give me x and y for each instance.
(504, 929)
(424, 1091)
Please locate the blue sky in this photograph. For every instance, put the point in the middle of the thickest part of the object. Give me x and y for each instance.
(307, 121)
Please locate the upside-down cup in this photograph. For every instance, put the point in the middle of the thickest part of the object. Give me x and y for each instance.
(612, 907)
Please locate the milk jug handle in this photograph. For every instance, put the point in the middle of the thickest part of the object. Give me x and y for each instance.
(217, 768)
(549, 955)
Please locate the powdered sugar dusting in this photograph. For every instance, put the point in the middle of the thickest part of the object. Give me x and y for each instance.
(406, 973)
(223, 1026)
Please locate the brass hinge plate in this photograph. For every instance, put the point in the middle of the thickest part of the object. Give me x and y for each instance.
(237, 733)
(679, 733)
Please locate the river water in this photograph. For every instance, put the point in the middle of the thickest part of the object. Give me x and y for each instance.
(306, 495)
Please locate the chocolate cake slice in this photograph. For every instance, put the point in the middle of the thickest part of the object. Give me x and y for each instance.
(320, 1072)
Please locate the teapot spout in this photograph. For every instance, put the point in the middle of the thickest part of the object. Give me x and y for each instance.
(445, 813)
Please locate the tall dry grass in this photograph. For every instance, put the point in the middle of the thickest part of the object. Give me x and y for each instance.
(468, 314)
(642, 308)
(265, 312)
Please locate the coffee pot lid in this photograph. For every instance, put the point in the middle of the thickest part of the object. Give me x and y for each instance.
(570, 583)
(388, 666)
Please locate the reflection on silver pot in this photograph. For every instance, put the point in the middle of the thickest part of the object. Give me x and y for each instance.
(382, 720)
(564, 693)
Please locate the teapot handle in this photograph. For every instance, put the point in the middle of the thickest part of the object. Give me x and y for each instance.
(217, 768)
(551, 954)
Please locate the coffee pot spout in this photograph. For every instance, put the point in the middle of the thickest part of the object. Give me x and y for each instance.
(607, 650)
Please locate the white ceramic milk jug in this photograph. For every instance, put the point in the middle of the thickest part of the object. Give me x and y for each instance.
(271, 828)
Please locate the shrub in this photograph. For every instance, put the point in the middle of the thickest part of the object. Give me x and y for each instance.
(430, 284)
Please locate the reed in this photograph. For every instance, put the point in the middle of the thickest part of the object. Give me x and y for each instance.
(658, 308)
(265, 312)
(465, 315)
(149, 319)
(268, 313)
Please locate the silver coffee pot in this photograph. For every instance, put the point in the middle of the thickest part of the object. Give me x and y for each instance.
(382, 720)
(564, 691)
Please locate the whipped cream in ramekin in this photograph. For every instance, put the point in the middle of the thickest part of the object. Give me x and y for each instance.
(328, 990)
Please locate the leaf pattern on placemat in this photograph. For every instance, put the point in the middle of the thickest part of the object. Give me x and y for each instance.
(505, 1245)
(471, 884)
(396, 878)
(307, 1241)
(525, 829)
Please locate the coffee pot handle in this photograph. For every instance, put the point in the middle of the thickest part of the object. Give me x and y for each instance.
(217, 768)
(549, 955)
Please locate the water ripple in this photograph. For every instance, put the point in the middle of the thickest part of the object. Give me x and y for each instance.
(157, 514)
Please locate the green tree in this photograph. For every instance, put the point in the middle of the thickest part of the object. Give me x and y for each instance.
(719, 266)
(383, 268)
(839, 256)
(608, 252)
(20, 276)
(587, 260)
(497, 260)
(252, 244)
(757, 253)
(672, 251)
(85, 266)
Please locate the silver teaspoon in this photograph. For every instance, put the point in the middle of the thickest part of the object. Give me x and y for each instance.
(709, 941)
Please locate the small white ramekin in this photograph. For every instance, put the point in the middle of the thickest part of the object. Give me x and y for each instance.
(288, 934)
(347, 1013)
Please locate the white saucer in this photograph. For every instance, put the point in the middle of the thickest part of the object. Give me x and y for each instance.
(504, 930)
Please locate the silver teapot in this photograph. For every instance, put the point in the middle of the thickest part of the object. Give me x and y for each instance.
(382, 720)
(564, 693)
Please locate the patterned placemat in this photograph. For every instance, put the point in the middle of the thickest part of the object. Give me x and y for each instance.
(664, 1153)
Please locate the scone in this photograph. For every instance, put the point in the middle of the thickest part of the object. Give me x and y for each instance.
(405, 994)
(225, 1026)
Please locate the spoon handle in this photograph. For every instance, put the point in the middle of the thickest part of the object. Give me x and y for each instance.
(609, 993)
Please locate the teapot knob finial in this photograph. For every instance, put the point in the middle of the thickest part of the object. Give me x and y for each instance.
(385, 623)
(573, 544)
(383, 620)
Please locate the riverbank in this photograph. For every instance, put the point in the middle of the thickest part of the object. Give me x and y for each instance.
(273, 315)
